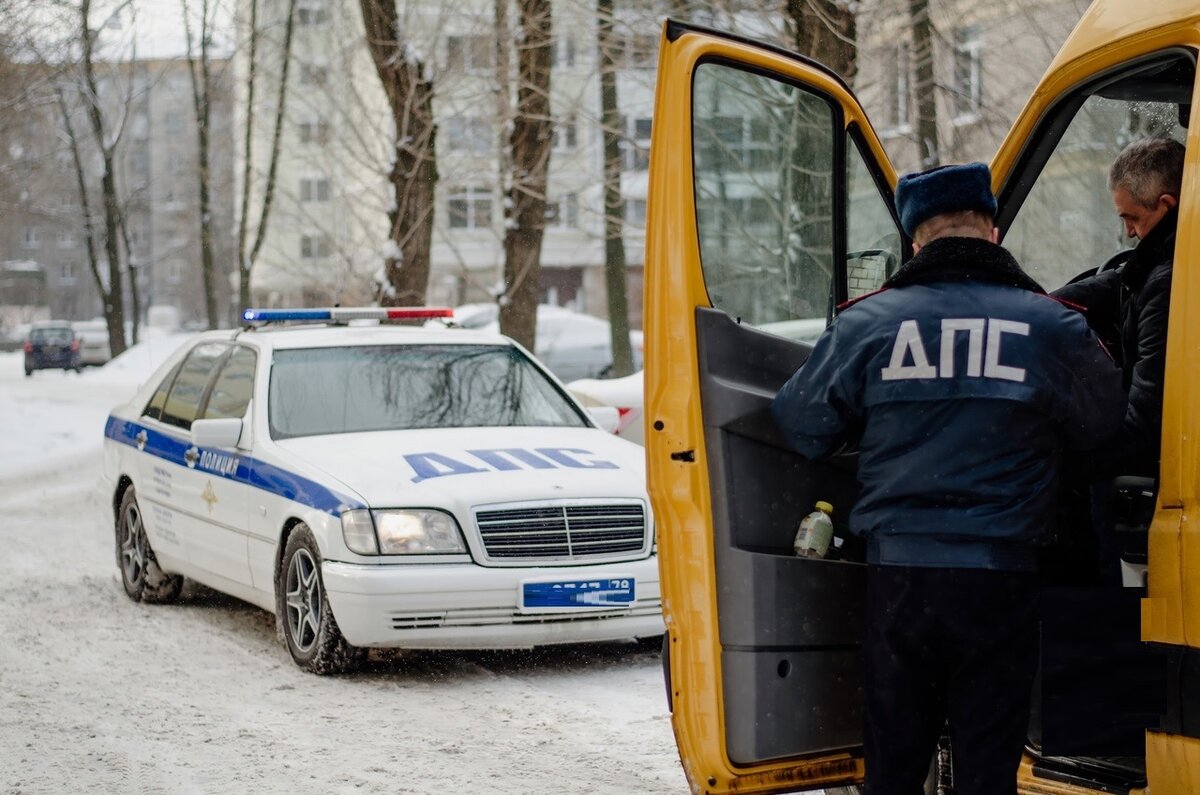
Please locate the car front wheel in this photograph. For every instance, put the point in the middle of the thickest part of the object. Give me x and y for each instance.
(144, 581)
(302, 608)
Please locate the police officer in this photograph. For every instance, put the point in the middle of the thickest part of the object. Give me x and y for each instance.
(961, 382)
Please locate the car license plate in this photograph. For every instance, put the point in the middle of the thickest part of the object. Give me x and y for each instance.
(560, 595)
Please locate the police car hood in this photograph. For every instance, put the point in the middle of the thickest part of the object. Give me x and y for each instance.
(459, 467)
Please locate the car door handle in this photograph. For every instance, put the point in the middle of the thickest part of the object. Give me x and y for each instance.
(192, 456)
(141, 439)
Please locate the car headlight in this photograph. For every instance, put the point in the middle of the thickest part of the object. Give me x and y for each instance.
(402, 532)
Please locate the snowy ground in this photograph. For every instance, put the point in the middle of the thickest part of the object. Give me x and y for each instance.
(98, 694)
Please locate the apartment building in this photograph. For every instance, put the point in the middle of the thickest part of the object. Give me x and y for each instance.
(155, 163)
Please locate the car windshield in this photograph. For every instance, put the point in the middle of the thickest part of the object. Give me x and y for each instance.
(395, 387)
(51, 335)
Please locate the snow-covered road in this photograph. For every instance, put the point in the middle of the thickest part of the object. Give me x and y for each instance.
(99, 694)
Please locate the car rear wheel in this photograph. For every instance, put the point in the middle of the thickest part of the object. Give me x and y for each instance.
(302, 608)
(143, 580)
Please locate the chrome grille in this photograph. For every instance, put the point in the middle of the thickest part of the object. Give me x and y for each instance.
(562, 532)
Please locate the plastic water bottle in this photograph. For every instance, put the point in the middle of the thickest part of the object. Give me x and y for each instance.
(815, 533)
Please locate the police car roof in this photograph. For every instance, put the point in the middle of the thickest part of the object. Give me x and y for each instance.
(332, 336)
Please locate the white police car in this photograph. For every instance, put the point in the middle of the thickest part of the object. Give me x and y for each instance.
(381, 486)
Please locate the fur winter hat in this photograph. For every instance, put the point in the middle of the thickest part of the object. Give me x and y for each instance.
(946, 189)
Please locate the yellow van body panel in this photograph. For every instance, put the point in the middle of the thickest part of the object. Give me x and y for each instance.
(1175, 761)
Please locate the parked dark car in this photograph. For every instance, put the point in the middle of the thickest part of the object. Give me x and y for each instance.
(50, 346)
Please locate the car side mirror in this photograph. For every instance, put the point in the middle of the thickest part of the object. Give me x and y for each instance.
(217, 433)
(607, 417)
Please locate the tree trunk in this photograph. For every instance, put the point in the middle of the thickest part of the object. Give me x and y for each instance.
(413, 175)
(825, 30)
(114, 300)
(85, 204)
(614, 207)
(925, 85)
(525, 209)
(201, 98)
(247, 257)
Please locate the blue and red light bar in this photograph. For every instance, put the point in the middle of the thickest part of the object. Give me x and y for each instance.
(341, 314)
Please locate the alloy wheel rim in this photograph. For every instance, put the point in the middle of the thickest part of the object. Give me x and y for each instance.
(303, 600)
(133, 546)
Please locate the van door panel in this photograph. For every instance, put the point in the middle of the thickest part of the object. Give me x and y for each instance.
(791, 673)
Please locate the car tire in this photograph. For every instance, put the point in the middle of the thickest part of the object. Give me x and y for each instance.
(309, 629)
(141, 576)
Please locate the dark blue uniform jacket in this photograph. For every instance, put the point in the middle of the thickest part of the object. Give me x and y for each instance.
(961, 384)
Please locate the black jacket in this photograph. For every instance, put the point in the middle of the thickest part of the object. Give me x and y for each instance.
(1135, 301)
(962, 382)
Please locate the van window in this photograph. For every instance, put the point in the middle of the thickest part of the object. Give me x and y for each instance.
(764, 195)
(1066, 223)
(769, 210)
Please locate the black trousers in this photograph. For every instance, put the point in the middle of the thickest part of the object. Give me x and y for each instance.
(957, 645)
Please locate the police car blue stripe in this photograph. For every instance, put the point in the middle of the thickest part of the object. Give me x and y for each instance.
(250, 471)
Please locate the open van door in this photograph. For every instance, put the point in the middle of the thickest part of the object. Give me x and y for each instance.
(770, 204)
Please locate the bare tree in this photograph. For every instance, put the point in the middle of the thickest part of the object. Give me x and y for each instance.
(925, 85)
(614, 243)
(413, 174)
(106, 139)
(200, 71)
(824, 30)
(247, 255)
(525, 205)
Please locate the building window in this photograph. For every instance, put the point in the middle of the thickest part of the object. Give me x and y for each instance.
(741, 143)
(313, 74)
(65, 239)
(139, 128)
(564, 213)
(469, 53)
(311, 12)
(898, 73)
(566, 135)
(173, 271)
(470, 208)
(968, 72)
(314, 189)
(562, 53)
(173, 123)
(635, 212)
(32, 237)
(314, 130)
(175, 162)
(68, 273)
(635, 146)
(314, 247)
(468, 134)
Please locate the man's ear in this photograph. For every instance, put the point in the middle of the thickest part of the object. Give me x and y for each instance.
(916, 248)
(994, 235)
(1169, 200)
